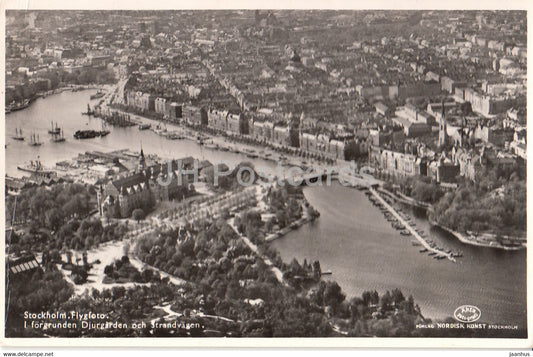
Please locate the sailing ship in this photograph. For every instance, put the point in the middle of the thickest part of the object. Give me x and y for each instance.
(59, 137)
(54, 131)
(34, 140)
(18, 135)
(89, 111)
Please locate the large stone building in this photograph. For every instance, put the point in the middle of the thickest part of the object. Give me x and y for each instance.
(331, 147)
(472, 161)
(225, 121)
(194, 115)
(141, 101)
(397, 163)
(443, 170)
(394, 163)
(143, 187)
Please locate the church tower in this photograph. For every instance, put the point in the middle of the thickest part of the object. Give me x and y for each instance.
(142, 161)
(443, 135)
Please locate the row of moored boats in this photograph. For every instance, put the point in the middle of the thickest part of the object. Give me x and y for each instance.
(436, 252)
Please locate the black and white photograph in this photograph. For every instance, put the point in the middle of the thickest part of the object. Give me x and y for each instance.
(265, 173)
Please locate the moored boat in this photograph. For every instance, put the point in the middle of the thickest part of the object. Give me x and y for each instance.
(89, 134)
(58, 138)
(18, 135)
(54, 130)
(212, 146)
(34, 140)
(36, 167)
(175, 136)
(17, 106)
(89, 111)
(97, 95)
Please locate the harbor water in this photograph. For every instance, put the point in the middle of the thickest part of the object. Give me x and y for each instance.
(65, 109)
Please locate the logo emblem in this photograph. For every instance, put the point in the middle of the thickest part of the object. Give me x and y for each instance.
(467, 313)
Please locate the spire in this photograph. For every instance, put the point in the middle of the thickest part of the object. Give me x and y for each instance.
(142, 161)
(443, 135)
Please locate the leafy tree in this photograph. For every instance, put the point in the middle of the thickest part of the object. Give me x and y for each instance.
(397, 296)
(386, 302)
(138, 214)
(333, 295)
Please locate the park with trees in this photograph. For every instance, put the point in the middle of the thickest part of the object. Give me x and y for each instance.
(494, 203)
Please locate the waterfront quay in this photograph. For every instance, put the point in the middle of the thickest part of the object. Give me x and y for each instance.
(413, 232)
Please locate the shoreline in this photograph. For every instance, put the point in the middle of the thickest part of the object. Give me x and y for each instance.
(464, 239)
(461, 237)
(291, 227)
(43, 95)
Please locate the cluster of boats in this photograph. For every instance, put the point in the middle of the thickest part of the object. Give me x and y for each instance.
(388, 216)
(55, 131)
(434, 250)
(208, 143)
(252, 154)
(121, 120)
(432, 244)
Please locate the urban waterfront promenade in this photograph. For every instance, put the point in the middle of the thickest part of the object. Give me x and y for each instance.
(411, 229)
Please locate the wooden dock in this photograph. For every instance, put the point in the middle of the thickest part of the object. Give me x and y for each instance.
(411, 229)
